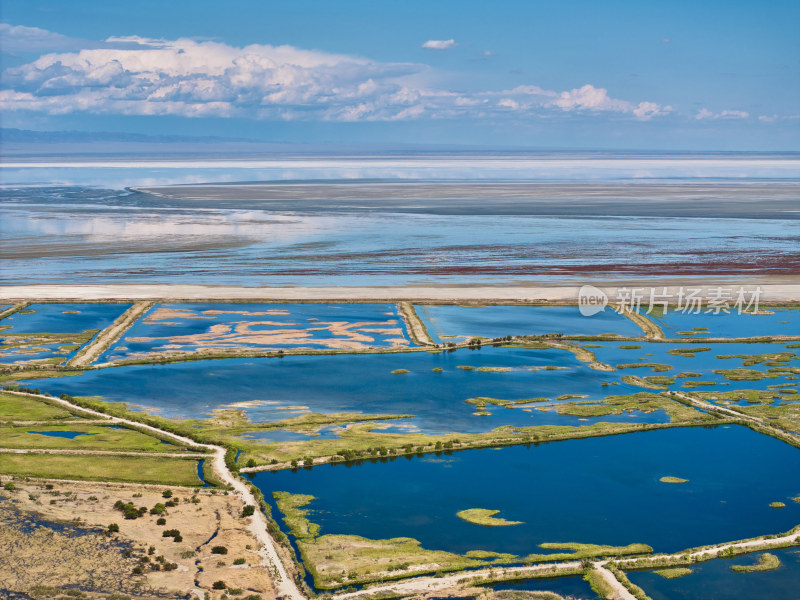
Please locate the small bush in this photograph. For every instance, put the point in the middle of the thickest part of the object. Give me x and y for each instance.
(219, 550)
(161, 521)
(166, 494)
(219, 585)
(239, 561)
(113, 528)
(248, 510)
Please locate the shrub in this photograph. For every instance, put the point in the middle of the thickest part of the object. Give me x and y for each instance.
(137, 570)
(166, 494)
(219, 585)
(251, 462)
(10, 486)
(248, 510)
(161, 521)
(113, 528)
(157, 509)
(219, 550)
(239, 561)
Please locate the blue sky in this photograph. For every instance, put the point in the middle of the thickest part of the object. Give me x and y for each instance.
(672, 75)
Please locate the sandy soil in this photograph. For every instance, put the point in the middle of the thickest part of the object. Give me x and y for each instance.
(778, 289)
(197, 521)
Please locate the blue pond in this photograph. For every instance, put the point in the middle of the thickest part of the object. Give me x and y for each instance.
(445, 322)
(70, 435)
(782, 321)
(220, 325)
(600, 490)
(714, 580)
(568, 587)
(703, 362)
(275, 389)
(64, 318)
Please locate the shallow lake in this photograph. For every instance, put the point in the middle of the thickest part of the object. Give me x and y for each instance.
(714, 580)
(270, 389)
(703, 362)
(187, 327)
(63, 318)
(782, 321)
(452, 322)
(599, 490)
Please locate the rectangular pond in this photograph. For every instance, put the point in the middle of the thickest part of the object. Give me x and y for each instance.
(53, 332)
(457, 323)
(272, 389)
(708, 357)
(770, 321)
(174, 328)
(600, 490)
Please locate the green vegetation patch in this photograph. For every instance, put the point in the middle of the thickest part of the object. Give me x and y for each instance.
(741, 374)
(134, 469)
(777, 505)
(766, 562)
(671, 479)
(295, 515)
(673, 573)
(578, 551)
(485, 517)
(14, 407)
(688, 352)
(400, 371)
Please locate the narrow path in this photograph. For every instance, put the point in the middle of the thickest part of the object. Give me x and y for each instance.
(109, 335)
(419, 585)
(284, 583)
(706, 405)
(12, 309)
(416, 328)
(648, 326)
(620, 591)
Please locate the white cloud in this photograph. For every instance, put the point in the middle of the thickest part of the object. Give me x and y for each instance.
(704, 113)
(19, 38)
(439, 44)
(142, 76)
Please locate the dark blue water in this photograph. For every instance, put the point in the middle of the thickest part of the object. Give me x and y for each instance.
(352, 383)
(159, 331)
(70, 435)
(599, 490)
(714, 580)
(572, 587)
(200, 474)
(51, 318)
(445, 321)
(783, 321)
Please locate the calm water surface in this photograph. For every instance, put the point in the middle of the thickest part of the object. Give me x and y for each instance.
(601, 490)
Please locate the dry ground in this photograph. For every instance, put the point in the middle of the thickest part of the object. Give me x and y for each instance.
(95, 562)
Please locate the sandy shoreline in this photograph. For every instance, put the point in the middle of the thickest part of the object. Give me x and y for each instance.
(784, 290)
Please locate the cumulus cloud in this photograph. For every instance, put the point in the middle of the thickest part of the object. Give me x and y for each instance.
(143, 76)
(704, 113)
(439, 44)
